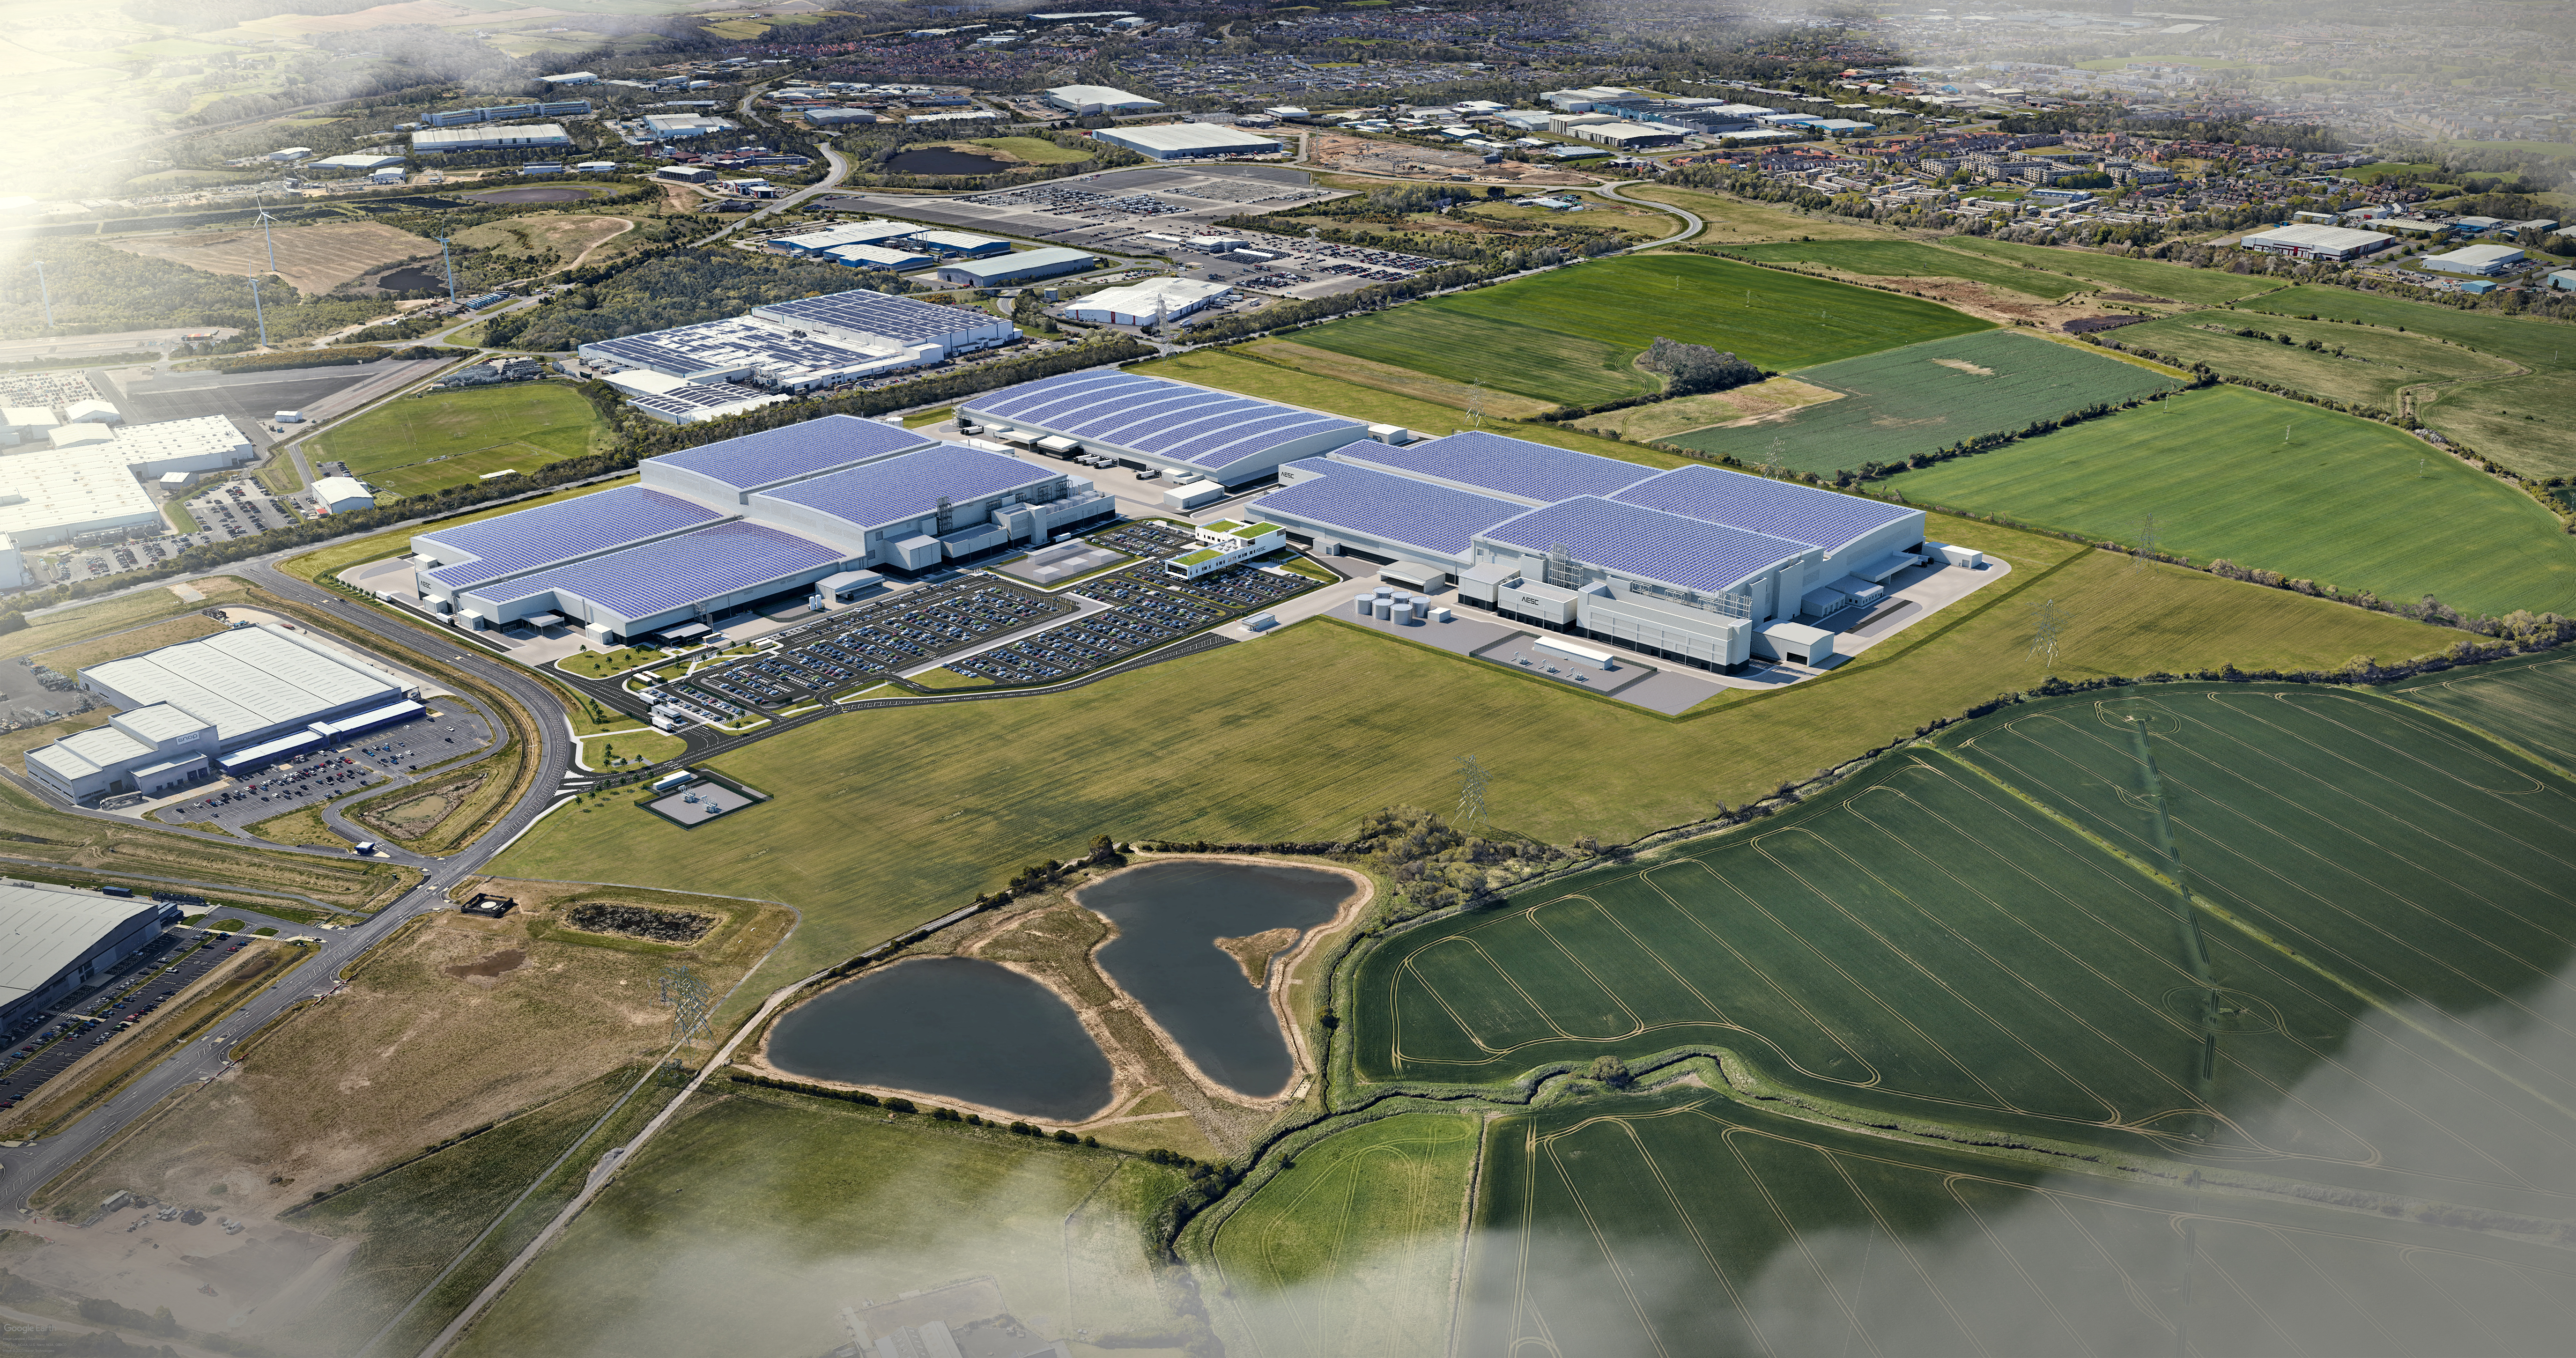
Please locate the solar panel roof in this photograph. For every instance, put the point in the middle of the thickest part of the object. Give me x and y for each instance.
(680, 571)
(790, 451)
(1158, 418)
(1818, 518)
(1677, 550)
(1508, 466)
(1392, 508)
(557, 532)
(875, 313)
(909, 486)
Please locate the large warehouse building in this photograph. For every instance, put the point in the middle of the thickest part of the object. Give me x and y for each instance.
(1699, 565)
(808, 343)
(229, 703)
(431, 141)
(2310, 240)
(1154, 422)
(720, 526)
(61, 940)
(92, 481)
(1190, 141)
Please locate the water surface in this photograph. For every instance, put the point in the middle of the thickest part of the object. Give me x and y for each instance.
(1169, 916)
(965, 1029)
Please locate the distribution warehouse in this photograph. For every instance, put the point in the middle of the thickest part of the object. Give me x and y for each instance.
(714, 527)
(695, 372)
(61, 940)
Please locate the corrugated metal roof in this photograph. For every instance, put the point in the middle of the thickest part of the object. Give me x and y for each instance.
(875, 313)
(1818, 518)
(43, 930)
(556, 532)
(1685, 552)
(909, 486)
(1158, 418)
(1507, 466)
(680, 571)
(791, 451)
(1381, 505)
(241, 682)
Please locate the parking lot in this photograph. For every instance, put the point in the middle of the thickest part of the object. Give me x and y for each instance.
(816, 660)
(1147, 609)
(84, 1024)
(390, 754)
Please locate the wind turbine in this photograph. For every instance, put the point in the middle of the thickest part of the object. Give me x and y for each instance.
(259, 311)
(445, 259)
(46, 292)
(269, 236)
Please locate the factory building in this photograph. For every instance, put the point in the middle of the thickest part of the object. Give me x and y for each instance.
(502, 113)
(61, 940)
(226, 704)
(808, 343)
(1148, 303)
(684, 126)
(1190, 141)
(1099, 99)
(716, 527)
(431, 141)
(365, 164)
(1155, 422)
(1706, 567)
(1627, 136)
(95, 484)
(871, 232)
(2475, 259)
(2312, 241)
(341, 494)
(1053, 261)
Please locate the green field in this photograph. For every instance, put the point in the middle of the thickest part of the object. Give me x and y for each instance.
(2524, 422)
(1569, 335)
(1912, 259)
(414, 445)
(953, 810)
(2178, 282)
(1929, 396)
(747, 1226)
(1685, 1223)
(2343, 501)
(1350, 1250)
(2372, 367)
(2529, 702)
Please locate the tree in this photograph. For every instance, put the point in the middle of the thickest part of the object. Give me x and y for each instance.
(1693, 368)
(1611, 1071)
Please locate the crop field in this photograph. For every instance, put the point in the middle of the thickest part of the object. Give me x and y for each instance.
(1350, 1250)
(2155, 278)
(1570, 336)
(2372, 367)
(315, 259)
(1928, 396)
(1684, 1223)
(748, 1225)
(1912, 259)
(2342, 500)
(2526, 422)
(952, 820)
(2530, 702)
(414, 445)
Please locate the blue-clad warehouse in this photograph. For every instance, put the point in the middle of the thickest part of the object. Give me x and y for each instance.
(713, 528)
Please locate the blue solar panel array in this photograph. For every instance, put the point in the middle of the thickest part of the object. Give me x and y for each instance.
(876, 313)
(1677, 550)
(909, 486)
(558, 532)
(679, 572)
(1818, 518)
(1159, 418)
(1392, 508)
(791, 451)
(1509, 466)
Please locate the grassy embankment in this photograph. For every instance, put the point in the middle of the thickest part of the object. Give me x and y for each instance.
(2152, 277)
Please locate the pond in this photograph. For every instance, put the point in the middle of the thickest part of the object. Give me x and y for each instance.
(1169, 918)
(942, 161)
(956, 1027)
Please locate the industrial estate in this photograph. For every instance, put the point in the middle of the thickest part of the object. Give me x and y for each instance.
(897, 682)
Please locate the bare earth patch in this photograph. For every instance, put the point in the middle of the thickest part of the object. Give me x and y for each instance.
(1964, 366)
(315, 259)
(1744, 405)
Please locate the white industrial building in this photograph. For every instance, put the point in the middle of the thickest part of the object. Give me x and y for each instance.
(96, 485)
(874, 231)
(684, 126)
(2309, 240)
(361, 163)
(1156, 422)
(1190, 141)
(341, 494)
(1148, 303)
(1099, 99)
(61, 940)
(1706, 567)
(2475, 259)
(1628, 136)
(430, 141)
(998, 271)
(713, 528)
(229, 703)
(674, 400)
(808, 343)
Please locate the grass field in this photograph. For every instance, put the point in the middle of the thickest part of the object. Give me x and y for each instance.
(1688, 1224)
(2526, 422)
(418, 444)
(1387, 377)
(1912, 259)
(2374, 364)
(1731, 220)
(748, 1226)
(2344, 501)
(950, 817)
(2179, 282)
(1928, 396)
(1568, 336)
(1035, 150)
(1349, 1251)
(2529, 702)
